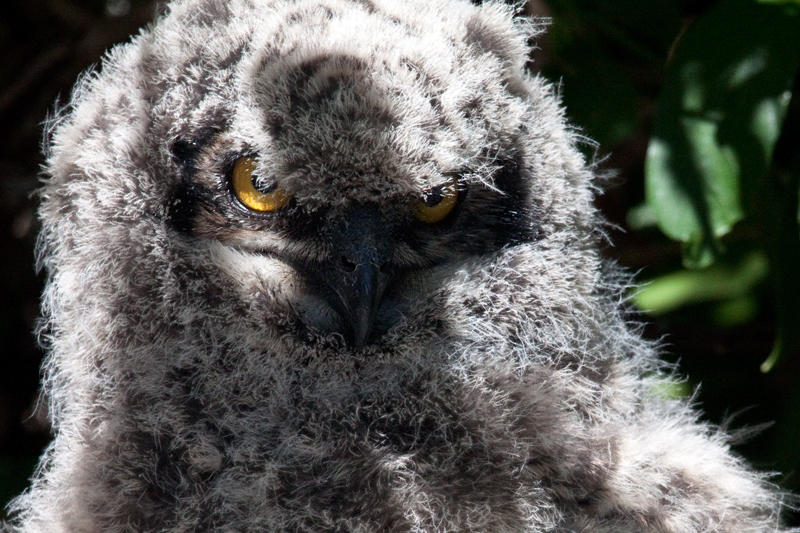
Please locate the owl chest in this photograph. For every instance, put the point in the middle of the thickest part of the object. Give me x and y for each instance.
(400, 469)
(412, 464)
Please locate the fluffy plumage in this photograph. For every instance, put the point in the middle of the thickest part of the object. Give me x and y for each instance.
(213, 368)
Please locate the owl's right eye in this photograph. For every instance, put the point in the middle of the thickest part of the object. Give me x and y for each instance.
(437, 202)
(250, 190)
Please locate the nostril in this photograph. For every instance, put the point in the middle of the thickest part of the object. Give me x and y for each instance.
(348, 265)
(383, 268)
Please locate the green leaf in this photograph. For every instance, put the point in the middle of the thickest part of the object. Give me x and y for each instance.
(781, 189)
(716, 283)
(641, 216)
(735, 311)
(671, 389)
(718, 119)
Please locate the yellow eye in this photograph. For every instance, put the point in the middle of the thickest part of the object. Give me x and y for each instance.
(437, 202)
(244, 187)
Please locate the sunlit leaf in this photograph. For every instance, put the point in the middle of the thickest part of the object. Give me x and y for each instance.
(671, 389)
(767, 118)
(718, 119)
(716, 283)
(641, 216)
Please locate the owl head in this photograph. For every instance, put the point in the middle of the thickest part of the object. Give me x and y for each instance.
(287, 174)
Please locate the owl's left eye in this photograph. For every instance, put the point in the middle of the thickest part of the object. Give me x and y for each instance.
(437, 202)
(252, 191)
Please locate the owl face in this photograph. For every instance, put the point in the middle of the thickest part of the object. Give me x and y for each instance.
(356, 266)
(316, 174)
(341, 179)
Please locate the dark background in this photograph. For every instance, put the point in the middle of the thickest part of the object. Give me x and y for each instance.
(611, 57)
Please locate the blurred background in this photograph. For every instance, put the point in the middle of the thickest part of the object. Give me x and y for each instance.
(686, 106)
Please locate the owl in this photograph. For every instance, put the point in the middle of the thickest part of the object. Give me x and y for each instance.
(332, 266)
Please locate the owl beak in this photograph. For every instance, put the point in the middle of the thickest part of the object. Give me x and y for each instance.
(361, 298)
(357, 272)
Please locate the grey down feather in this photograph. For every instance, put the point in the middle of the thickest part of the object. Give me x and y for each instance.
(205, 371)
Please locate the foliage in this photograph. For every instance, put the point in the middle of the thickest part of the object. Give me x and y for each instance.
(711, 164)
(702, 89)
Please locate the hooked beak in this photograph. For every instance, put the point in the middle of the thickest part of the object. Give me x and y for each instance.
(357, 273)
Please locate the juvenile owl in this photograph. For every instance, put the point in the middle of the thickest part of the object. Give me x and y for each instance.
(332, 266)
